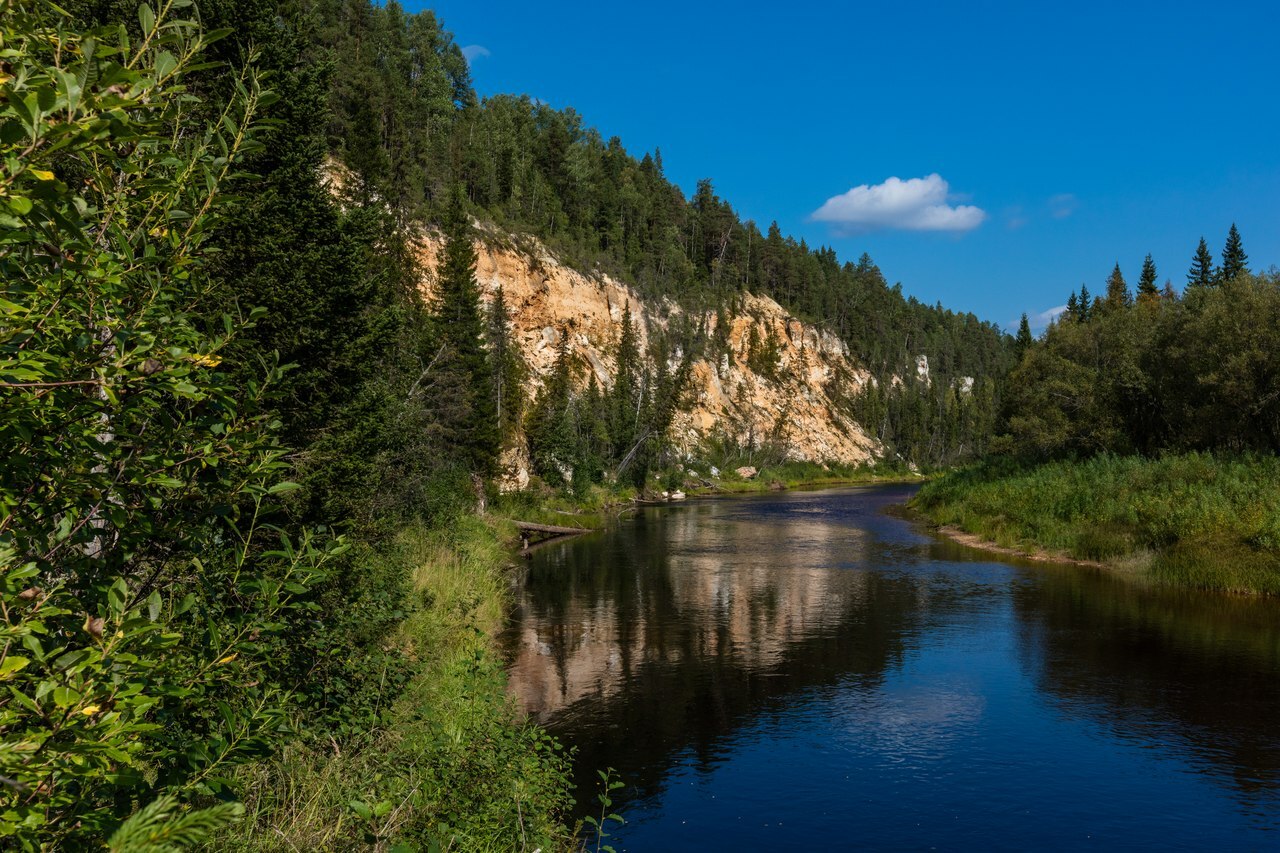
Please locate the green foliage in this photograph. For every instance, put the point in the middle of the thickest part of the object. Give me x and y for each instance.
(1193, 520)
(1196, 373)
(1202, 273)
(474, 433)
(608, 784)
(1234, 261)
(508, 367)
(1023, 340)
(448, 764)
(1147, 290)
(146, 592)
(1118, 295)
(162, 826)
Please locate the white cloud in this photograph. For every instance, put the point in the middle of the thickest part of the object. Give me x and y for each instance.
(472, 52)
(1063, 205)
(1044, 318)
(916, 204)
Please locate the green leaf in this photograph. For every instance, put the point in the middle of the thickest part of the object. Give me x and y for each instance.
(146, 18)
(361, 809)
(11, 666)
(117, 595)
(165, 64)
(65, 697)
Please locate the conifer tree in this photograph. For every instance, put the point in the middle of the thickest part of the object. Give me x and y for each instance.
(625, 398)
(1234, 260)
(1023, 341)
(1086, 306)
(1147, 290)
(508, 367)
(461, 327)
(1073, 308)
(1202, 273)
(551, 428)
(1118, 295)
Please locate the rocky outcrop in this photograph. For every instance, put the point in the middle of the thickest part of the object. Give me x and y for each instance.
(788, 399)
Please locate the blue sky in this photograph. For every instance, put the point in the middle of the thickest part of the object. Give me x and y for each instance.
(1063, 137)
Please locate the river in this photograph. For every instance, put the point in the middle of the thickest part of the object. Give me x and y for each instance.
(803, 670)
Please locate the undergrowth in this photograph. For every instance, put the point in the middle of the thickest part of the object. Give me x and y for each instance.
(449, 766)
(1192, 520)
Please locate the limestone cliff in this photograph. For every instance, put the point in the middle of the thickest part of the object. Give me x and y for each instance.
(791, 402)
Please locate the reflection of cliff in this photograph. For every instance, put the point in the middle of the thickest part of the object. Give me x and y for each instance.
(751, 609)
(658, 640)
(1200, 673)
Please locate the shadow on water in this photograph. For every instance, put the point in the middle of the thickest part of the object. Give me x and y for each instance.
(652, 647)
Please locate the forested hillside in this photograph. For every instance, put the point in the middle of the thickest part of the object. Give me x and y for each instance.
(241, 560)
(404, 119)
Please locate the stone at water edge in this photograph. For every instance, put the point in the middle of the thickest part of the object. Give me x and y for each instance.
(746, 472)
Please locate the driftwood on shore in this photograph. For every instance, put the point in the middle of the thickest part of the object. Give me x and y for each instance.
(532, 534)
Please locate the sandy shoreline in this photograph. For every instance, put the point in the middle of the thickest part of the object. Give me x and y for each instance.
(1039, 555)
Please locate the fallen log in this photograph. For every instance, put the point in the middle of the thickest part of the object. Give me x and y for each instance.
(550, 528)
(546, 532)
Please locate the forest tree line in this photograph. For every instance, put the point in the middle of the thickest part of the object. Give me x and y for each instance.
(1154, 370)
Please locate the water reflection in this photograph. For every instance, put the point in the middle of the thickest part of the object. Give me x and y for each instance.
(1159, 665)
(849, 658)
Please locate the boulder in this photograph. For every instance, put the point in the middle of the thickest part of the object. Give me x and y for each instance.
(746, 472)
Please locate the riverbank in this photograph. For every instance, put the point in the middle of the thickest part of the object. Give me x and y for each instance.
(593, 507)
(450, 765)
(1196, 520)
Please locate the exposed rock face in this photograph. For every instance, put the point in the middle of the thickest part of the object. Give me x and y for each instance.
(790, 403)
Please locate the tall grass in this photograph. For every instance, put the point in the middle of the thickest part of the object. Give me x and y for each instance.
(1194, 520)
(449, 765)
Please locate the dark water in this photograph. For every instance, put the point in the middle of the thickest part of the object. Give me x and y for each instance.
(803, 671)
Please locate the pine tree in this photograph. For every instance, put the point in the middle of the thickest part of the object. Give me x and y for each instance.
(461, 327)
(1234, 260)
(1202, 273)
(1073, 308)
(625, 396)
(1023, 341)
(1118, 295)
(508, 367)
(1086, 306)
(1147, 290)
(552, 443)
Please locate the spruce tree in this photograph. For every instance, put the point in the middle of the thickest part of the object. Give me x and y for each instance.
(1086, 306)
(1023, 341)
(1202, 273)
(1073, 308)
(461, 327)
(624, 398)
(508, 367)
(1118, 295)
(1147, 290)
(1234, 260)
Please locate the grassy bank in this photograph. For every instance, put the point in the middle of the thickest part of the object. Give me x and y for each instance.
(1195, 520)
(449, 766)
